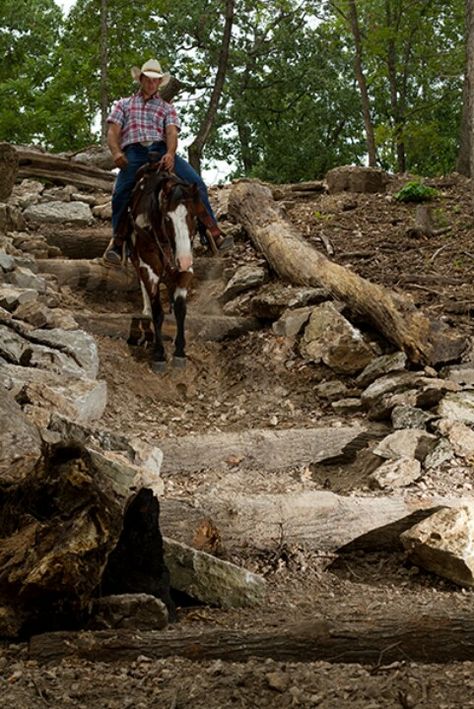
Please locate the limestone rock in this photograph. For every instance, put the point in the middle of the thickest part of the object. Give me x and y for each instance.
(351, 405)
(444, 544)
(381, 366)
(458, 407)
(463, 374)
(396, 473)
(291, 322)
(409, 417)
(25, 278)
(244, 278)
(330, 338)
(7, 262)
(76, 344)
(138, 611)
(211, 580)
(460, 436)
(275, 298)
(76, 213)
(406, 443)
(441, 453)
(11, 298)
(331, 390)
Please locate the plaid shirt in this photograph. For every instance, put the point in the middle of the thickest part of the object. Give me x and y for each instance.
(143, 121)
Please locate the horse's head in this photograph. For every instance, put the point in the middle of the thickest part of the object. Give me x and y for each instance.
(178, 207)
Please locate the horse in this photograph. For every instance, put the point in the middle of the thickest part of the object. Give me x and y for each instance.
(162, 218)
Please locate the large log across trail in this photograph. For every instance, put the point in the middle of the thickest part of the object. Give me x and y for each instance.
(441, 634)
(393, 314)
(60, 170)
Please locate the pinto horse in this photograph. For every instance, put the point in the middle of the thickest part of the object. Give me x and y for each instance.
(163, 213)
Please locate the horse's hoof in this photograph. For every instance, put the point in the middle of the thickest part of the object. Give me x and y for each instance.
(179, 362)
(158, 365)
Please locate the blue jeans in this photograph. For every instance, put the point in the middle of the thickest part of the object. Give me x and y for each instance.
(137, 155)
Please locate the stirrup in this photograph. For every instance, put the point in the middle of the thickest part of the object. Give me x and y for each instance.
(114, 254)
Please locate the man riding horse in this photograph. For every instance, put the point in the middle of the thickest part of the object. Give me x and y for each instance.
(141, 127)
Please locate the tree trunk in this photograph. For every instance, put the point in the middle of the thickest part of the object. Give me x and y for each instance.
(296, 261)
(104, 97)
(196, 147)
(470, 75)
(359, 72)
(440, 633)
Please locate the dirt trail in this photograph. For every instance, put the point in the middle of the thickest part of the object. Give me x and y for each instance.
(259, 381)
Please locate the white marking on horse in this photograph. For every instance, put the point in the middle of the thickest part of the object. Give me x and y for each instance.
(180, 293)
(147, 311)
(184, 256)
(153, 283)
(142, 221)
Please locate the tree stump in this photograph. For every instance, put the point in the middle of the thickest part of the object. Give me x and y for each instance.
(8, 170)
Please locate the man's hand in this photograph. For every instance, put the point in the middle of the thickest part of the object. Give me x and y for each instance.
(120, 160)
(167, 162)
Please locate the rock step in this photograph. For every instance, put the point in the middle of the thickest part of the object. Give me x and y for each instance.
(263, 449)
(93, 275)
(315, 519)
(203, 327)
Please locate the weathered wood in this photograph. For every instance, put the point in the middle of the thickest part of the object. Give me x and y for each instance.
(297, 261)
(93, 275)
(301, 190)
(83, 243)
(89, 275)
(317, 519)
(439, 633)
(8, 170)
(265, 449)
(202, 327)
(61, 170)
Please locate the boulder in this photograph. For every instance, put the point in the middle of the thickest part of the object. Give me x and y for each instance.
(211, 580)
(76, 213)
(444, 544)
(406, 443)
(330, 338)
(133, 611)
(244, 278)
(352, 178)
(381, 366)
(458, 407)
(396, 473)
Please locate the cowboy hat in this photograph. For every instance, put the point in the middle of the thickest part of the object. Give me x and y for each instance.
(152, 69)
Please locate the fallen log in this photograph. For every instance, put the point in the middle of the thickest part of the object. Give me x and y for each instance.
(83, 243)
(296, 261)
(318, 520)
(262, 449)
(137, 329)
(62, 171)
(92, 275)
(439, 634)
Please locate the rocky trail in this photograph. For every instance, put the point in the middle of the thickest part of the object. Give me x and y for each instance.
(302, 470)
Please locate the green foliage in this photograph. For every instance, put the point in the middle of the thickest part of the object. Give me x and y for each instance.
(291, 107)
(416, 192)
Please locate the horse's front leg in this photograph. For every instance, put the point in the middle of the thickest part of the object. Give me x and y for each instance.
(179, 306)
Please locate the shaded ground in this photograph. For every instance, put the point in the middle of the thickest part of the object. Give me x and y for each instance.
(260, 381)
